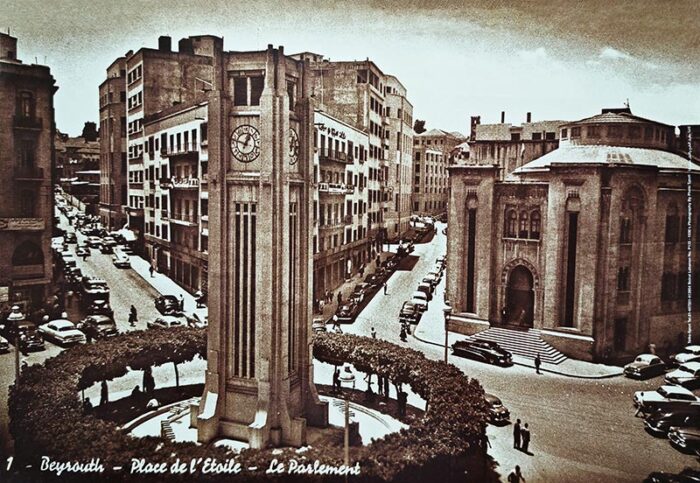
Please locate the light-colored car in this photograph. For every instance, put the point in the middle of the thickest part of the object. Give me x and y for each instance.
(318, 325)
(57, 243)
(645, 365)
(165, 322)
(4, 345)
(687, 375)
(690, 353)
(69, 259)
(420, 300)
(198, 319)
(94, 241)
(62, 331)
(121, 260)
(664, 397)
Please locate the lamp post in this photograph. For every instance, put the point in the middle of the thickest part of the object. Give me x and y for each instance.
(447, 311)
(347, 376)
(13, 320)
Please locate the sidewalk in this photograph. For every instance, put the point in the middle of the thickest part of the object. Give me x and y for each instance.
(163, 284)
(434, 333)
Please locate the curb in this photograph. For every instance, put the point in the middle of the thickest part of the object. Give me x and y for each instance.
(574, 376)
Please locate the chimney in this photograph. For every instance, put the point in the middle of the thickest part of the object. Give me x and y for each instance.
(164, 43)
(529, 117)
(503, 117)
(475, 121)
(185, 46)
(8, 47)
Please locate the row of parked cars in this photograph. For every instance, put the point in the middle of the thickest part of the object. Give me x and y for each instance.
(672, 410)
(412, 310)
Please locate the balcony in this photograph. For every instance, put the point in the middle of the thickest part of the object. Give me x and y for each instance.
(134, 211)
(184, 183)
(186, 149)
(332, 225)
(327, 154)
(23, 272)
(22, 224)
(29, 173)
(27, 122)
(335, 188)
(185, 219)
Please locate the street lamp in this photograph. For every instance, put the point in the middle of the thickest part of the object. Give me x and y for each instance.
(13, 320)
(447, 311)
(347, 376)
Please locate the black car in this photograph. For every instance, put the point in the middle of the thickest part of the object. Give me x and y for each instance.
(100, 307)
(168, 305)
(346, 314)
(98, 326)
(685, 439)
(409, 313)
(688, 475)
(29, 337)
(483, 351)
(660, 422)
(374, 280)
(360, 292)
(70, 238)
(498, 413)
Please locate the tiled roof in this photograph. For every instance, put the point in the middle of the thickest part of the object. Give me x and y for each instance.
(616, 117)
(609, 155)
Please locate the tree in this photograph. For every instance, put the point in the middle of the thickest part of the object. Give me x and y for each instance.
(419, 126)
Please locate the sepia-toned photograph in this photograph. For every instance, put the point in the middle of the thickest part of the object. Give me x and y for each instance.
(368, 241)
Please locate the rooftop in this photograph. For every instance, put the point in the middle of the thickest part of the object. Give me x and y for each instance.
(623, 115)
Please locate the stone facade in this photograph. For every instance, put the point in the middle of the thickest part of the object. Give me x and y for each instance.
(27, 133)
(587, 243)
(77, 169)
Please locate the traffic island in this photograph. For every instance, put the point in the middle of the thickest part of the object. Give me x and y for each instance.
(51, 429)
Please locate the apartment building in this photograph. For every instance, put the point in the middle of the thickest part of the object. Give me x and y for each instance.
(113, 172)
(26, 197)
(345, 180)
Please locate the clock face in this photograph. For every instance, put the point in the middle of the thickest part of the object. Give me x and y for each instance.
(293, 146)
(245, 143)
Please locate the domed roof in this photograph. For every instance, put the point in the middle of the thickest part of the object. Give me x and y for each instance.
(623, 115)
(609, 156)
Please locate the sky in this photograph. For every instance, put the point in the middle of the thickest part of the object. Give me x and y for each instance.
(559, 59)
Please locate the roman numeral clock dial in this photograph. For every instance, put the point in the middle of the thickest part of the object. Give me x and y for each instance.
(245, 143)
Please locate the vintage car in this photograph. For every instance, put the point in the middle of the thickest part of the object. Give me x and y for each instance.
(420, 300)
(685, 438)
(98, 326)
(644, 366)
(168, 305)
(318, 325)
(360, 291)
(498, 413)
(29, 337)
(686, 475)
(687, 375)
(409, 313)
(664, 398)
(165, 322)
(690, 353)
(346, 314)
(121, 260)
(660, 422)
(4, 345)
(483, 351)
(62, 331)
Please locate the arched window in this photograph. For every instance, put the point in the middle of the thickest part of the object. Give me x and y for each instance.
(511, 224)
(523, 225)
(28, 253)
(535, 223)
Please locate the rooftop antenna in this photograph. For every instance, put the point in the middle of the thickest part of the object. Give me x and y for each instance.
(627, 103)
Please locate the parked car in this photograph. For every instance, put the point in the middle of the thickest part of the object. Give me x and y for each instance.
(93, 241)
(436, 274)
(661, 421)
(57, 244)
(82, 251)
(360, 291)
(98, 326)
(4, 345)
(70, 238)
(687, 475)
(483, 351)
(690, 353)
(100, 307)
(420, 300)
(29, 337)
(374, 280)
(168, 305)
(62, 331)
(318, 325)
(687, 439)
(165, 322)
(94, 289)
(68, 259)
(346, 314)
(687, 375)
(427, 289)
(498, 413)
(73, 275)
(644, 366)
(665, 397)
(121, 260)
(197, 319)
(442, 260)
(409, 313)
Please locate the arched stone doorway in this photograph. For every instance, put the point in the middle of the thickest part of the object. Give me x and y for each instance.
(520, 297)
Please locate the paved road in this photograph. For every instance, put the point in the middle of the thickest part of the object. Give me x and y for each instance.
(582, 430)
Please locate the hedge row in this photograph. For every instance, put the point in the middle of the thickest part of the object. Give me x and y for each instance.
(46, 416)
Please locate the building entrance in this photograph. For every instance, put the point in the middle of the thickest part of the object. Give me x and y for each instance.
(520, 297)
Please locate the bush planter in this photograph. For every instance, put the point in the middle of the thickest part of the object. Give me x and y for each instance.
(46, 415)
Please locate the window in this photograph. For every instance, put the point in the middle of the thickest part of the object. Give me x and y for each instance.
(247, 90)
(634, 132)
(27, 205)
(564, 133)
(593, 131)
(575, 132)
(523, 225)
(672, 225)
(535, 223)
(614, 131)
(625, 230)
(292, 93)
(515, 136)
(26, 105)
(511, 223)
(27, 149)
(623, 279)
(536, 136)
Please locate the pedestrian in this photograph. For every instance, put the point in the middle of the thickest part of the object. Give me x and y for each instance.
(85, 255)
(321, 305)
(515, 476)
(182, 303)
(362, 270)
(384, 288)
(380, 384)
(401, 399)
(538, 362)
(525, 434)
(374, 333)
(104, 393)
(386, 387)
(516, 434)
(484, 442)
(150, 270)
(336, 379)
(328, 296)
(402, 334)
(340, 298)
(652, 348)
(88, 336)
(133, 317)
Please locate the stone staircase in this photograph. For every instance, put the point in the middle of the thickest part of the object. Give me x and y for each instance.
(522, 343)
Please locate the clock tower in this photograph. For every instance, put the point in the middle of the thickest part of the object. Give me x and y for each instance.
(259, 382)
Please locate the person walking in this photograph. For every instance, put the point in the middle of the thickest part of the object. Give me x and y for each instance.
(525, 434)
(515, 476)
(150, 270)
(133, 317)
(329, 296)
(402, 334)
(182, 303)
(336, 379)
(516, 434)
(384, 288)
(374, 333)
(386, 387)
(538, 362)
(104, 393)
(340, 298)
(401, 399)
(380, 384)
